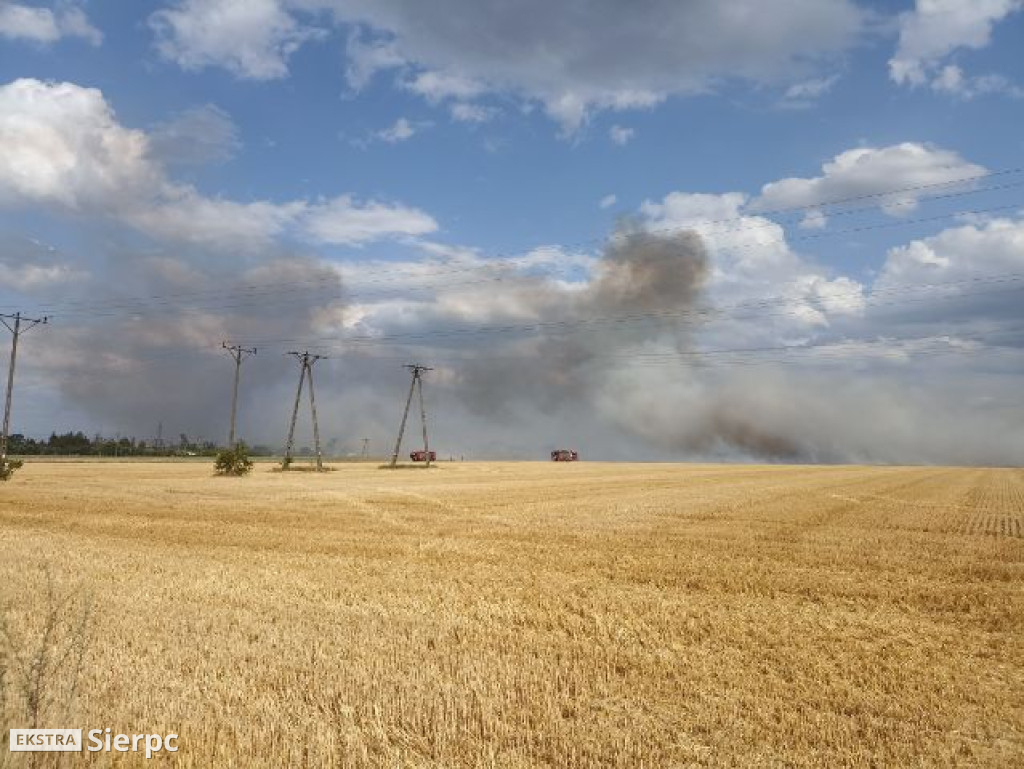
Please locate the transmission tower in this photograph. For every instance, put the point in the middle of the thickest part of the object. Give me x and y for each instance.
(417, 383)
(306, 359)
(21, 325)
(237, 353)
(366, 447)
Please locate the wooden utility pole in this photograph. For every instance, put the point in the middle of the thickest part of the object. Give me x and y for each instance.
(417, 379)
(312, 409)
(237, 353)
(306, 359)
(423, 419)
(16, 331)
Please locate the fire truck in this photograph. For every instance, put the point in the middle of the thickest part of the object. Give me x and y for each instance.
(421, 456)
(564, 455)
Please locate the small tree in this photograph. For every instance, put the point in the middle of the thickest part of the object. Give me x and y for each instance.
(7, 468)
(233, 461)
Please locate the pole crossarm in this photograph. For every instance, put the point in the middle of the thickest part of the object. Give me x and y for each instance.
(25, 323)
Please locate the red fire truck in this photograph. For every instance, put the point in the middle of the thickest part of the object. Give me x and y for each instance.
(564, 455)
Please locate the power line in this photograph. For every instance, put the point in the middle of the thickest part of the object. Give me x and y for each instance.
(694, 224)
(259, 302)
(666, 315)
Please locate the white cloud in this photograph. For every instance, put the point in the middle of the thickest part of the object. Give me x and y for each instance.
(573, 59)
(438, 86)
(250, 38)
(952, 80)
(63, 146)
(751, 259)
(814, 219)
(804, 94)
(27, 277)
(472, 113)
(936, 28)
(608, 201)
(43, 25)
(995, 247)
(811, 89)
(400, 131)
(343, 221)
(620, 135)
(65, 150)
(180, 213)
(869, 171)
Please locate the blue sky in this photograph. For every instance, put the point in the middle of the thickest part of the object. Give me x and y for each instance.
(399, 155)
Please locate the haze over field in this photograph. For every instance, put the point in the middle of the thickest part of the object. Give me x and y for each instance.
(783, 231)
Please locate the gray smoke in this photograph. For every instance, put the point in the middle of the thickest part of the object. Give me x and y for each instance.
(130, 365)
(641, 290)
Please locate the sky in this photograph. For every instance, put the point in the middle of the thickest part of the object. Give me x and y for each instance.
(756, 230)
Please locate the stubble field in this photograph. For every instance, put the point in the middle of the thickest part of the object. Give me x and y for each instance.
(522, 615)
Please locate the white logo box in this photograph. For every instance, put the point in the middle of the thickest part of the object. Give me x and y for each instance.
(46, 740)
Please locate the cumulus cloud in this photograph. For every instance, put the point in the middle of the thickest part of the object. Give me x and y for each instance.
(751, 259)
(45, 25)
(870, 171)
(573, 59)
(990, 248)
(614, 350)
(937, 28)
(65, 150)
(250, 38)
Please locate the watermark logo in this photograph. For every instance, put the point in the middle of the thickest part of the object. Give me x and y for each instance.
(96, 740)
(46, 740)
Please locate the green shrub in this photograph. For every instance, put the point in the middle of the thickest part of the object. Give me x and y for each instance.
(233, 461)
(7, 468)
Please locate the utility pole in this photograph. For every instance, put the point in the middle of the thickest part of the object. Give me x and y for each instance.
(306, 359)
(16, 331)
(423, 419)
(237, 353)
(312, 409)
(417, 379)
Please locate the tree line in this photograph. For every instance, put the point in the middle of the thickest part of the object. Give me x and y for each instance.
(79, 444)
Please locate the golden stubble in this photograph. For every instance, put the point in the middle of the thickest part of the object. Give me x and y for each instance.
(534, 614)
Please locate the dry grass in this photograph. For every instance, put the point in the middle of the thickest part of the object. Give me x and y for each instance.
(522, 615)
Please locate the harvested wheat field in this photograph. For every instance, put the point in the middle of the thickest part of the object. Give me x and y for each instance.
(525, 615)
